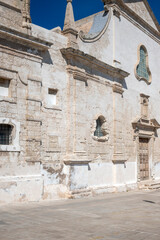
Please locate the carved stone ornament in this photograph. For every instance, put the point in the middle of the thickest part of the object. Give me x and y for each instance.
(118, 88)
(145, 128)
(116, 13)
(103, 128)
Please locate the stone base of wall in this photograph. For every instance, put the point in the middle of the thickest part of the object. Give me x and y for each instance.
(102, 190)
(20, 189)
(55, 192)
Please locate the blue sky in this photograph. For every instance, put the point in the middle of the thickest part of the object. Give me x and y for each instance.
(50, 13)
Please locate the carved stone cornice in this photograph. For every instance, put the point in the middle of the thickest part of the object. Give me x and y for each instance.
(83, 76)
(145, 127)
(74, 162)
(147, 124)
(118, 158)
(73, 159)
(24, 39)
(71, 54)
(117, 88)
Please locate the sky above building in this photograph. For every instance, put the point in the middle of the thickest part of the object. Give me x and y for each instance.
(50, 13)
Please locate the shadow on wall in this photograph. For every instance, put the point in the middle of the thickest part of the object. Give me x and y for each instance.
(89, 67)
(47, 58)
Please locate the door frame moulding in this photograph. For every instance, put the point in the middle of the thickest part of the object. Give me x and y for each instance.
(144, 128)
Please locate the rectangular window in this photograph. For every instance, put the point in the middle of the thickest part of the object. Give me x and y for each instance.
(4, 87)
(52, 96)
(5, 134)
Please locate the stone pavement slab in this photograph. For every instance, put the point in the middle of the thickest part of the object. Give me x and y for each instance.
(127, 216)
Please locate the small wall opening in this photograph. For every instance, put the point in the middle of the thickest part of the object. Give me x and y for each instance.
(6, 134)
(98, 132)
(52, 96)
(4, 87)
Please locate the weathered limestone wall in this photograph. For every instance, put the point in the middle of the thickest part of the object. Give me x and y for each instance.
(118, 46)
(13, 3)
(103, 48)
(53, 129)
(53, 102)
(10, 14)
(24, 169)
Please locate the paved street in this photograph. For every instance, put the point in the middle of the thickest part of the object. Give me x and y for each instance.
(127, 216)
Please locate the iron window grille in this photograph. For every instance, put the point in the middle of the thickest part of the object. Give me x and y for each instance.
(5, 134)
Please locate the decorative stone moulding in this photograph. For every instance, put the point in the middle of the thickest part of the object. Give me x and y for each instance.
(24, 39)
(118, 88)
(98, 28)
(116, 13)
(79, 162)
(145, 127)
(71, 54)
(11, 74)
(73, 159)
(104, 129)
(143, 65)
(119, 158)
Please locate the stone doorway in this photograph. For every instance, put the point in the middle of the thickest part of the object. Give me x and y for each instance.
(144, 158)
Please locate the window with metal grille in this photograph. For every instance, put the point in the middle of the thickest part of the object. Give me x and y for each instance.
(98, 132)
(142, 71)
(5, 134)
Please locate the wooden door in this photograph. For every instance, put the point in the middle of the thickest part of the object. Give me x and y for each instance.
(144, 158)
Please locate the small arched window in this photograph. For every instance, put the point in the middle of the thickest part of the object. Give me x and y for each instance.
(98, 132)
(142, 68)
(5, 134)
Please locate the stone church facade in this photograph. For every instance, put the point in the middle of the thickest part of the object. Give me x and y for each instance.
(79, 107)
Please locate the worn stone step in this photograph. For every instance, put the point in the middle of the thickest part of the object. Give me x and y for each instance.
(149, 185)
(154, 187)
(155, 184)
